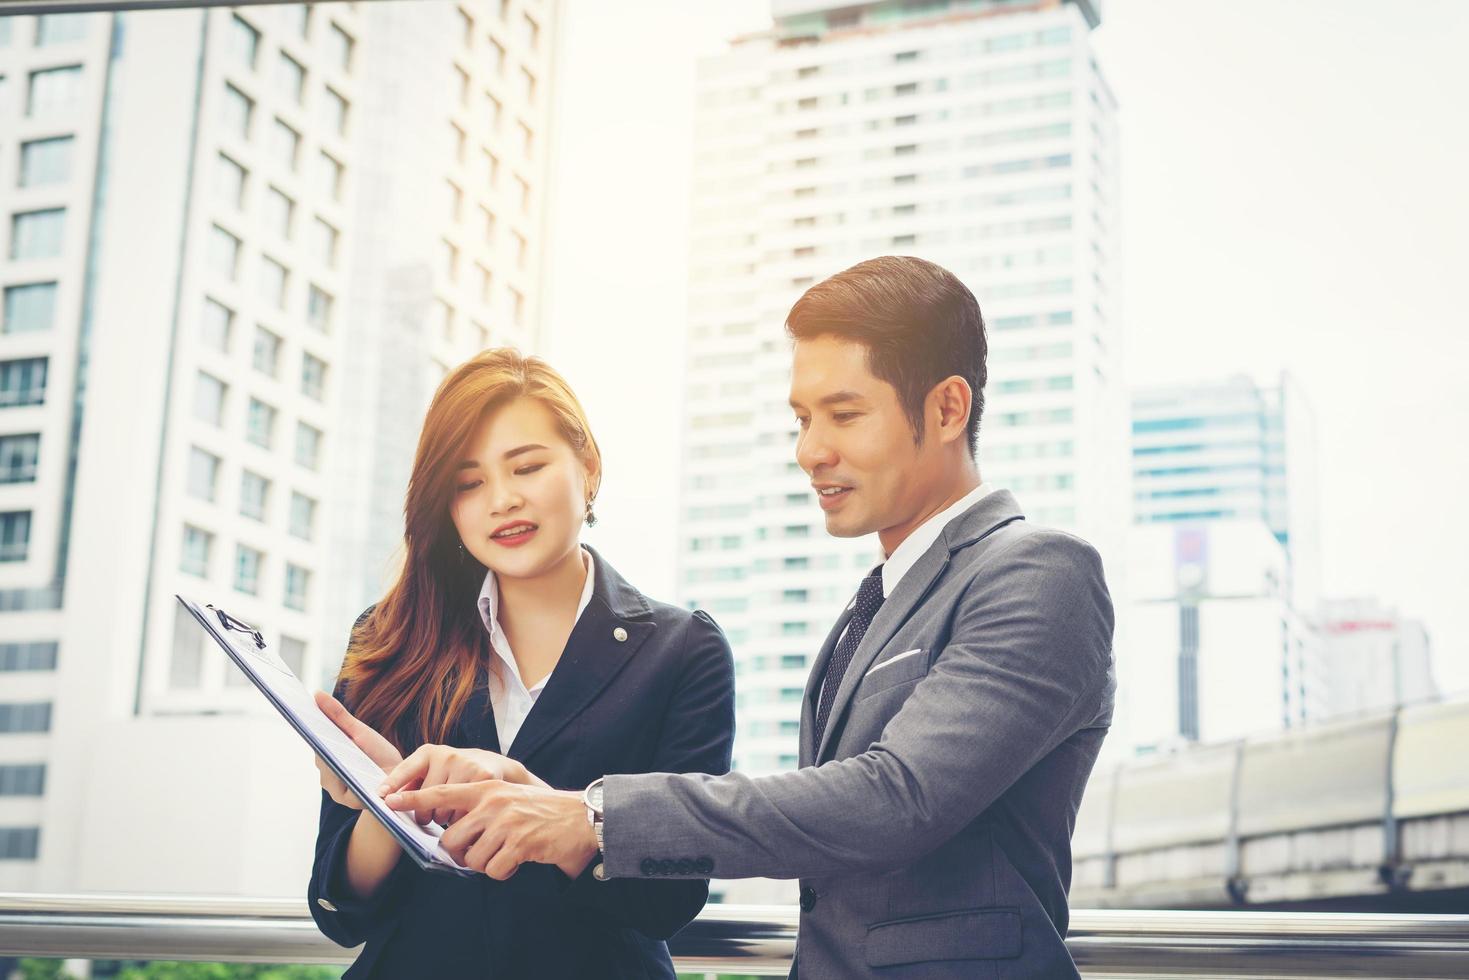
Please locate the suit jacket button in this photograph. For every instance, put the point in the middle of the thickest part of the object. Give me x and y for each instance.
(704, 866)
(808, 899)
(619, 634)
(685, 866)
(666, 866)
(326, 905)
(648, 867)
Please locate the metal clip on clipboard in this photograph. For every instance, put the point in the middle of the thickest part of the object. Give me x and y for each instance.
(231, 623)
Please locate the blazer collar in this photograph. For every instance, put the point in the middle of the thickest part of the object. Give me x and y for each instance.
(594, 655)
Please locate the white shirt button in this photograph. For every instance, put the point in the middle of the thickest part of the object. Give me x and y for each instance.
(326, 905)
(619, 634)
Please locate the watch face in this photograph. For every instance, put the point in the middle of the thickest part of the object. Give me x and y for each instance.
(594, 796)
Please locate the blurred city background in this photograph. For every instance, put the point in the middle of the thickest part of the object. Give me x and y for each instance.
(1216, 248)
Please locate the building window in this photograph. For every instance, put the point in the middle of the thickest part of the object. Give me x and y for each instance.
(495, 111)
(319, 308)
(203, 473)
(293, 653)
(298, 580)
(299, 15)
(224, 253)
(303, 516)
(45, 161)
(185, 667)
(18, 455)
(308, 445)
(25, 717)
(247, 569)
(488, 223)
(339, 46)
(528, 86)
(290, 78)
(274, 278)
(530, 31)
(329, 175)
(285, 144)
(254, 493)
(497, 57)
(492, 169)
(19, 843)
(260, 423)
(60, 29)
(313, 376)
(215, 324)
(244, 41)
(15, 535)
(55, 90)
(29, 308)
(279, 211)
(335, 109)
(229, 182)
(267, 353)
(324, 242)
(453, 200)
(209, 394)
(35, 655)
(237, 112)
(22, 382)
(521, 250)
(195, 558)
(37, 234)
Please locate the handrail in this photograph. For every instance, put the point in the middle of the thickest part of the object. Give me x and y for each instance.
(760, 939)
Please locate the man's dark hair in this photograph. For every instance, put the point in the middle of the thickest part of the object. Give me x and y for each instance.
(919, 323)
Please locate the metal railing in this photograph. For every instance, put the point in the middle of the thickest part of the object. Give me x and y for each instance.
(759, 939)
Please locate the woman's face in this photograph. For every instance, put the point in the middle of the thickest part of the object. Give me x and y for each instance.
(520, 494)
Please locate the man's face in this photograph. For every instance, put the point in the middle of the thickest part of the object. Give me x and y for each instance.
(857, 445)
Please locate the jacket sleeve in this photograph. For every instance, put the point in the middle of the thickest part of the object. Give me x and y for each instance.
(1028, 664)
(697, 736)
(343, 918)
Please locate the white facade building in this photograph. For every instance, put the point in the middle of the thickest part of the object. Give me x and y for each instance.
(979, 135)
(1218, 649)
(1375, 658)
(231, 255)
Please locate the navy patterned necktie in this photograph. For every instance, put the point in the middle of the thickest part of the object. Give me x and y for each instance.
(868, 602)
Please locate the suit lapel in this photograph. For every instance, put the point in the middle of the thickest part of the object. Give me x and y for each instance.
(476, 728)
(893, 614)
(813, 687)
(592, 658)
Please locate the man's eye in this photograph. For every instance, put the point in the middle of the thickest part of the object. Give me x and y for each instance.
(802, 421)
(845, 416)
(464, 487)
(527, 470)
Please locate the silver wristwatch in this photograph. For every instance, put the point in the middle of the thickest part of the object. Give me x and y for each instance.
(593, 800)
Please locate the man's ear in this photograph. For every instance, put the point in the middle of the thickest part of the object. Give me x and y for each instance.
(951, 401)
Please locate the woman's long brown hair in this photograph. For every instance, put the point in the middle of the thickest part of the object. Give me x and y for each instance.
(419, 654)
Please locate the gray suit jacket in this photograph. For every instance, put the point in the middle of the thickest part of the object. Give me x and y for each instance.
(931, 829)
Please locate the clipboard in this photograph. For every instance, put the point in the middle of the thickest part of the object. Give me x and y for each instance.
(283, 689)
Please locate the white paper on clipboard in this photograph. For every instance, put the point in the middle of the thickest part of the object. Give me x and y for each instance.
(284, 690)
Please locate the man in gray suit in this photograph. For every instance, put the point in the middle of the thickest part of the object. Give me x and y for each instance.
(951, 718)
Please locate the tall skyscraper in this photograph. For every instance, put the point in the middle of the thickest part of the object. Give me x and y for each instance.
(1232, 449)
(239, 248)
(1223, 563)
(979, 135)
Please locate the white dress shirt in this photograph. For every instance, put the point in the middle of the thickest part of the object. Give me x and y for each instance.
(510, 699)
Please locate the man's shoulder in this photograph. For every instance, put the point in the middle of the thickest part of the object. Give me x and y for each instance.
(1024, 543)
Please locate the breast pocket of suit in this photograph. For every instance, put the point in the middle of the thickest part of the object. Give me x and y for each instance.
(890, 672)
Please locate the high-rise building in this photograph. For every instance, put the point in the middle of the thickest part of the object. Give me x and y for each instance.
(1217, 649)
(1375, 657)
(980, 135)
(1232, 449)
(238, 248)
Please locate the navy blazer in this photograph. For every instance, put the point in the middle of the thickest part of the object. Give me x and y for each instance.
(660, 701)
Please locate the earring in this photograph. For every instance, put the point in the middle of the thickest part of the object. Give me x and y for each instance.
(591, 518)
(463, 555)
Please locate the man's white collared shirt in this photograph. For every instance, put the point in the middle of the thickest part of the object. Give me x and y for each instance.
(906, 554)
(510, 699)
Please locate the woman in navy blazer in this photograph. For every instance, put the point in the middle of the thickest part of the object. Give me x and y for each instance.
(503, 623)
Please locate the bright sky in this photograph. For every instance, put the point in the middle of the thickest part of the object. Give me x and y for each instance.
(1293, 198)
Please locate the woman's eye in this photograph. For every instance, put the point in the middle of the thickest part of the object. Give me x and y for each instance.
(464, 487)
(527, 470)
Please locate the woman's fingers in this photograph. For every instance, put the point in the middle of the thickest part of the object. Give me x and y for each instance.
(459, 796)
(415, 767)
(378, 749)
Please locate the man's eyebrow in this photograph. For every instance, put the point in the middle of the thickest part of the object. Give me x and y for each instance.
(470, 464)
(835, 398)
